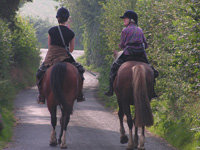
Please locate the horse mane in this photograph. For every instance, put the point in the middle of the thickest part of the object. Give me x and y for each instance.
(143, 113)
(57, 79)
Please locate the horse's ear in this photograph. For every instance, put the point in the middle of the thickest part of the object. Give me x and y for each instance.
(115, 53)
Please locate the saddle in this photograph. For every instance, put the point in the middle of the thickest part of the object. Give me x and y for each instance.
(137, 58)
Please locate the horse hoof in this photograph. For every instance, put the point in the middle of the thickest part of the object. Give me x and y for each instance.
(53, 143)
(63, 146)
(124, 139)
(40, 102)
(81, 98)
(129, 148)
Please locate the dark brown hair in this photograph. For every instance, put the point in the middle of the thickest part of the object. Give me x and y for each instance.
(62, 19)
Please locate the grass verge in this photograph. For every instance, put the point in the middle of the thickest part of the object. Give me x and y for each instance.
(7, 94)
(8, 90)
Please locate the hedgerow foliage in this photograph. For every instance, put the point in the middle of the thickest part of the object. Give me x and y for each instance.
(19, 60)
(41, 26)
(24, 43)
(85, 20)
(172, 30)
(5, 48)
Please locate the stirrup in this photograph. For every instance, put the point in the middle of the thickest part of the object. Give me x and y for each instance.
(156, 73)
(40, 100)
(81, 98)
(109, 93)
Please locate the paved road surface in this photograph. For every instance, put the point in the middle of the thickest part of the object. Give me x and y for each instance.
(92, 127)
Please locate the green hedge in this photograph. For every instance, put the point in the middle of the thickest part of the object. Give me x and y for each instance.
(26, 51)
(19, 60)
(172, 31)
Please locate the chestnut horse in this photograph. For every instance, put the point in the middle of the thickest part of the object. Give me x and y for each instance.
(61, 84)
(133, 85)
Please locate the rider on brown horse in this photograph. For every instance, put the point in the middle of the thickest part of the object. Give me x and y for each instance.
(133, 42)
(60, 43)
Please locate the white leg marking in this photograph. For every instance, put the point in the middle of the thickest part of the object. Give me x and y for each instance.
(130, 141)
(141, 141)
(63, 140)
(53, 139)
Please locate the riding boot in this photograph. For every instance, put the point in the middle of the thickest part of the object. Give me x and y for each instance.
(154, 93)
(81, 71)
(156, 73)
(81, 98)
(41, 99)
(110, 90)
(39, 76)
(113, 71)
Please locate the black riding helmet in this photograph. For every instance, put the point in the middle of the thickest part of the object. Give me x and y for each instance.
(131, 15)
(63, 14)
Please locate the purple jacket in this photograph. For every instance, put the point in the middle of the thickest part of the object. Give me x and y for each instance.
(138, 39)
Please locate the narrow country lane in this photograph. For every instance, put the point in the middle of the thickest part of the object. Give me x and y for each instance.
(91, 127)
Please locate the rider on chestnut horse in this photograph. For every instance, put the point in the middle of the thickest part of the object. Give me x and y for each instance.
(60, 43)
(133, 42)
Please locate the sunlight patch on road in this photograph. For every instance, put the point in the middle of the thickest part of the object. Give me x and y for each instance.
(33, 115)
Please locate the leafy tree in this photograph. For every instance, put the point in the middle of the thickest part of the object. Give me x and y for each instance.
(172, 31)
(41, 27)
(24, 41)
(8, 8)
(19, 60)
(5, 49)
(86, 24)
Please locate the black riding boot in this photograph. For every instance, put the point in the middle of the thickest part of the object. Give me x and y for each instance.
(156, 74)
(39, 76)
(41, 99)
(81, 98)
(81, 70)
(110, 90)
(113, 71)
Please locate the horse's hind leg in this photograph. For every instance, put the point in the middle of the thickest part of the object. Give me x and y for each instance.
(142, 140)
(65, 121)
(127, 111)
(53, 140)
(135, 141)
(123, 137)
(61, 129)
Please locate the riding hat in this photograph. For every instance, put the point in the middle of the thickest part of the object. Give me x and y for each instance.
(131, 15)
(62, 13)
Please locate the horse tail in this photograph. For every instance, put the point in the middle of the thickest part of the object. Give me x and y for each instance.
(143, 113)
(57, 79)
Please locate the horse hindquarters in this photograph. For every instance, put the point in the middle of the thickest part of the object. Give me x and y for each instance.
(143, 113)
(62, 81)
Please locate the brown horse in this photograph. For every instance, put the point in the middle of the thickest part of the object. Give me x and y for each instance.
(133, 85)
(62, 85)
